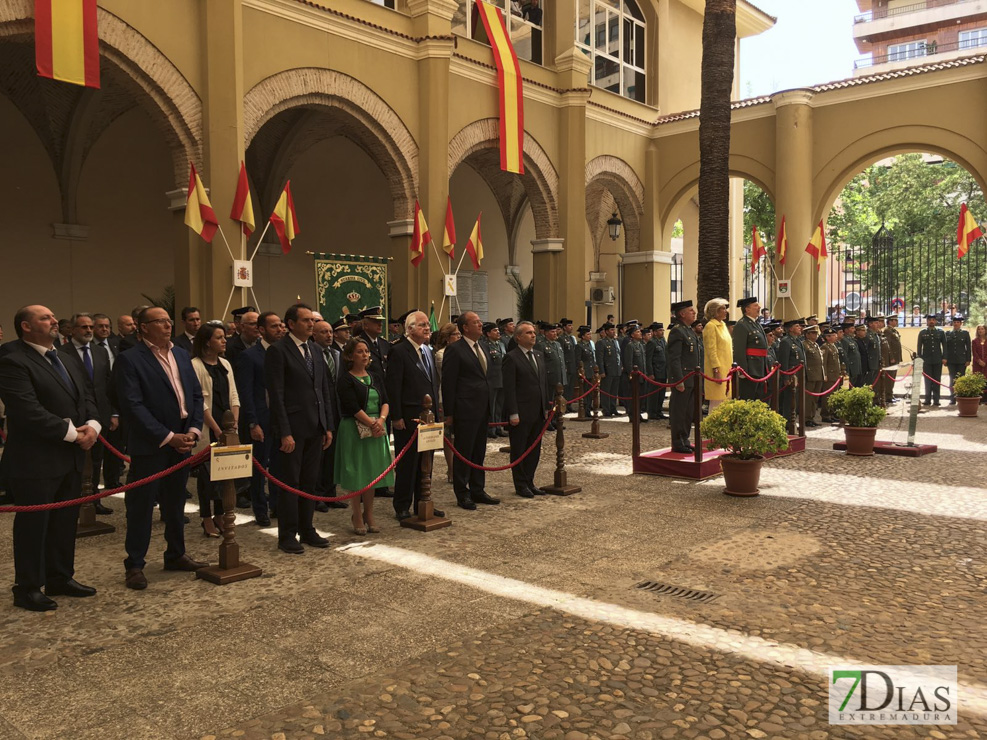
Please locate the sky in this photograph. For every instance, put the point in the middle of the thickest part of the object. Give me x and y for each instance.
(811, 43)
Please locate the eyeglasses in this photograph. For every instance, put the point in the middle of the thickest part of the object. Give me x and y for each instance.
(163, 322)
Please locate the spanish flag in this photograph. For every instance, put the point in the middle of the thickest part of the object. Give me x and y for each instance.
(449, 233)
(509, 84)
(781, 248)
(474, 247)
(757, 250)
(817, 246)
(66, 41)
(419, 237)
(199, 215)
(966, 232)
(243, 209)
(284, 219)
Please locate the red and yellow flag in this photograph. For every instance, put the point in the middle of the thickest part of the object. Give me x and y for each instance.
(420, 237)
(781, 248)
(967, 232)
(817, 245)
(66, 41)
(474, 247)
(757, 250)
(509, 84)
(284, 220)
(449, 233)
(199, 215)
(243, 209)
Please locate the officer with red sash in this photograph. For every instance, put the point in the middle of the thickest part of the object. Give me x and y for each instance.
(750, 350)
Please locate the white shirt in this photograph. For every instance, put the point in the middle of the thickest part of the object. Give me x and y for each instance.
(300, 343)
(71, 434)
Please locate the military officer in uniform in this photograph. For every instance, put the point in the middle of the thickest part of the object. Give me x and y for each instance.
(608, 360)
(750, 350)
(815, 373)
(491, 342)
(932, 348)
(568, 343)
(555, 371)
(874, 359)
(634, 356)
(585, 354)
(791, 354)
(771, 335)
(833, 369)
(957, 353)
(893, 339)
(656, 359)
(683, 358)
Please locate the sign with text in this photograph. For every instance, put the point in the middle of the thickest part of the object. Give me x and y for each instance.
(229, 463)
(893, 695)
(430, 437)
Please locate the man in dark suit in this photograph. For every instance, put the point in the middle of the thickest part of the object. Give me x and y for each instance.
(255, 417)
(127, 325)
(161, 403)
(466, 404)
(191, 321)
(411, 374)
(322, 336)
(103, 338)
(524, 406)
(51, 421)
(247, 333)
(94, 362)
(302, 424)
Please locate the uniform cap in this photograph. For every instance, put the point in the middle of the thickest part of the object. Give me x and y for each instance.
(582, 329)
(676, 307)
(744, 302)
(238, 312)
(340, 324)
(657, 325)
(563, 322)
(374, 312)
(791, 322)
(606, 326)
(488, 326)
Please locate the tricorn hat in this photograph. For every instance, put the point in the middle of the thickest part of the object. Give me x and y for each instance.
(744, 302)
(676, 307)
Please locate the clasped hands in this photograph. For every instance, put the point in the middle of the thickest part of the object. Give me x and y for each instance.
(183, 442)
(85, 436)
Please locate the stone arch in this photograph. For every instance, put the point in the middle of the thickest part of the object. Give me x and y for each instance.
(372, 123)
(477, 144)
(611, 175)
(148, 74)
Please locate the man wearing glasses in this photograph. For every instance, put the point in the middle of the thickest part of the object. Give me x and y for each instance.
(161, 402)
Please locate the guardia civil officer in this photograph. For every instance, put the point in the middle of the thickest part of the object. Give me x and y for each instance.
(957, 354)
(932, 348)
(656, 358)
(683, 358)
(608, 360)
(750, 349)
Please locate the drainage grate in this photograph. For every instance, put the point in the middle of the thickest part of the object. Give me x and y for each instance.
(656, 587)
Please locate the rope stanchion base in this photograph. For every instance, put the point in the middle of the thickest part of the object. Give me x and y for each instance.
(89, 525)
(426, 521)
(222, 576)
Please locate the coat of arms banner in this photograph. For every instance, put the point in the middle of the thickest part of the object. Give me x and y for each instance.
(348, 283)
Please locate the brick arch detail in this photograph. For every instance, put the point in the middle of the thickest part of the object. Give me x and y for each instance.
(174, 105)
(614, 175)
(384, 135)
(541, 180)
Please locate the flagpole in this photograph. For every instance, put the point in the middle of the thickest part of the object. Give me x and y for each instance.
(228, 300)
(225, 241)
(256, 302)
(262, 235)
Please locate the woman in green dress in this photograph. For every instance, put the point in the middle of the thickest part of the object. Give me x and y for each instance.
(362, 448)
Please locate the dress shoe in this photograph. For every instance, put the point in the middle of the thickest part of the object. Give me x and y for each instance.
(811, 423)
(524, 492)
(242, 502)
(135, 579)
(467, 503)
(404, 514)
(321, 506)
(293, 547)
(102, 510)
(683, 450)
(209, 528)
(438, 513)
(315, 540)
(491, 434)
(484, 498)
(262, 521)
(384, 493)
(185, 563)
(538, 491)
(70, 588)
(337, 504)
(34, 601)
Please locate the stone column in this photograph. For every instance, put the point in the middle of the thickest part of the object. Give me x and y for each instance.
(647, 279)
(793, 144)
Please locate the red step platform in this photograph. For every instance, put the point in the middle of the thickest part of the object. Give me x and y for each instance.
(670, 464)
(890, 448)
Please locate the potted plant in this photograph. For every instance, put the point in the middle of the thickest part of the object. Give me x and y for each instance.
(968, 390)
(749, 430)
(855, 406)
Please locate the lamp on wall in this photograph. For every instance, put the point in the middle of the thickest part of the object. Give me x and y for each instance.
(613, 226)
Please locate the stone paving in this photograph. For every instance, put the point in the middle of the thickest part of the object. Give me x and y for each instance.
(523, 620)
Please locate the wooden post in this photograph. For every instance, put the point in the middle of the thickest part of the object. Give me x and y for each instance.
(88, 526)
(776, 390)
(800, 396)
(735, 382)
(230, 569)
(581, 406)
(426, 521)
(594, 432)
(635, 414)
(698, 415)
(561, 487)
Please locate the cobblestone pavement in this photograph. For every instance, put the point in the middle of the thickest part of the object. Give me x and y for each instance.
(524, 620)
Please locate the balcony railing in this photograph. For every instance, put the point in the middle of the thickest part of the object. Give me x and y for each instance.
(875, 15)
(926, 50)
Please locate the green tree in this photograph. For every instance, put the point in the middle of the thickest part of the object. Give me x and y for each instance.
(759, 211)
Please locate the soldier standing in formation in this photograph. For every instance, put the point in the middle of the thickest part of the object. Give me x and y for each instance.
(815, 373)
(932, 348)
(683, 358)
(957, 353)
(791, 354)
(893, 339)
(585, 354)
(750, 350)
(491, 342)
(608, 360)
(656, 358)
(833, 369)
(568, 343)
(634, 356)
(874, 352)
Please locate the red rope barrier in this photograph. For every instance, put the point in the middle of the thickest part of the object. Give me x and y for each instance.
(658, 383)
(114, 450)
(194, 460)
(792, 371)
(630, 398)
(352, 494)
(765, 379)
(936, 381)
(835, 385)
(527, 452)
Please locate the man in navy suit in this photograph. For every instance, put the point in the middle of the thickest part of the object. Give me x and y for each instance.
(322, 336)
(302, 424)
(161, 402)
(51, 421)
(524, 406)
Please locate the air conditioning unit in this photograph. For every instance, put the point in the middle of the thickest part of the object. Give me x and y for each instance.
(602, 295)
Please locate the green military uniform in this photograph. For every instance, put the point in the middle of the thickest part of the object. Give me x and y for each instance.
(495, 378)
(833, 368)
(851, 355)
(634, 356)
(750, 352)
(683, 358)
(958, 356)
(586, 355)
(815, 378)
(555, 373)
(568, 344)
(931, 348)
(791, 354)
(893, 339)
(656, 359)
(608, 360)
(874, 357)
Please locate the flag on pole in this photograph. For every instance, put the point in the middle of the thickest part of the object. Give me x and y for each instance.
(966, 232)
(449, 233)
(243, 209)
(474, 247)
(432, 321)
(284, 220)
(66, 41)
(420, 237)
(509, 86)
(199, 215)
(817, 246)
(781, 248)
(757, 250)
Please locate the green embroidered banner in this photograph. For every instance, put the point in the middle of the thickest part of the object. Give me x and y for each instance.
(348, 283)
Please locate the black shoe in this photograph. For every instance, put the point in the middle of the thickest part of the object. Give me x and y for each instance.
(402, 515)
(438, 513)
(321, 506)
(539, 491)
(102, 510)
(34, 601)
(683, 450)
(337, 504)
(491, 434)
(467, 503)
(291, 546)
(188, 493)
(242, 502)
(315, 540)
(384, 493)
(70, 588)
(811, 423)
(524, 492)
(262, 521)
(484, 498)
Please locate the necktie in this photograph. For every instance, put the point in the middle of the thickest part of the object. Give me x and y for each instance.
(330, 362)
(56, 363)
(424, 359)
(308, 360)
(87, 360)
(102, 343)
(534, 362)
(480, 356)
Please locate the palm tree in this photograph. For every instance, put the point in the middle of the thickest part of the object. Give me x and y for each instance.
(719, 46)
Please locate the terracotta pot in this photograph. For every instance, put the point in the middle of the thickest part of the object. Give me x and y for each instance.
(741, 476)
(860, 440)
(968, 406)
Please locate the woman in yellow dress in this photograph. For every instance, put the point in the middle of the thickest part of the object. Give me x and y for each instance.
(718, 346)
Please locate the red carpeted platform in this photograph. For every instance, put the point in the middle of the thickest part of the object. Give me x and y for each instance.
(683, 465)
(890, 448)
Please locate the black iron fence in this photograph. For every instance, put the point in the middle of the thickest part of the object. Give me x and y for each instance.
(760, 282)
